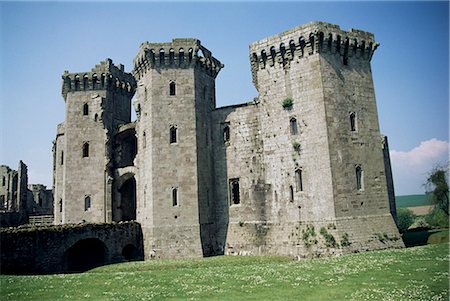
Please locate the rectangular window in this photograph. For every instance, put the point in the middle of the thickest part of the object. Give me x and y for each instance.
(299, 179)
(173, 134)
(174, 196)
(359, 178)
(234, 192)
(62, 159)
(87, 202)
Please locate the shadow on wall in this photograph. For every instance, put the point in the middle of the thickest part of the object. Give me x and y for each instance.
(85, 255)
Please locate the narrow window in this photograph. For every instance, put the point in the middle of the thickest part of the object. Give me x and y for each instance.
(60, 205)
(173, 134)
(85, 109)
(95, 117)
(291, 193)
(174, 196)
(353, 121)
(61, 162)
(190, 53)
(77, 82)
(172, 88)
(226, 134)
(87, 202)
(102, 80)
(359, 178)
(94, 81)
(294, 127)
(234, 192)
(144, 140)
(85, 82)
(86, 149)
(299, 180)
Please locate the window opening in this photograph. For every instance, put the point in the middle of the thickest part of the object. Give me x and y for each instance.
(226, 134)
(62, 158)
(144, 140)
(234, 192)
(161, 56)
(181, 56)
(85, 82)
(87, 202)
(299, 180)
(171, 56)
(291, 193)
(86, 149)
(174, 196)
(172, 88)
(4, 181)
(359, 178)
(173, 134)
(60, 205)
(294, 127)
(353, 121)
(85, 109)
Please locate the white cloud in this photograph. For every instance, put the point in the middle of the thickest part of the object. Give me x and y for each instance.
(411, 168)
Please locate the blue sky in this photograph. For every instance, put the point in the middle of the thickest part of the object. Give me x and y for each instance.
(38, 41)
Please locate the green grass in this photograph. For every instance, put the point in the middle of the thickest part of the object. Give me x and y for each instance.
(419, 273)
(414, 200)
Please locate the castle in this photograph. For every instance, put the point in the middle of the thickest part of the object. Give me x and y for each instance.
(302, 170)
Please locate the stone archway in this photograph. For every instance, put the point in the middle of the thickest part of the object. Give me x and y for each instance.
(124, 208)
(85, 254)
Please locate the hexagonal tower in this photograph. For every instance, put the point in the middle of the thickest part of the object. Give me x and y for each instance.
(97, 102)
(175, 97)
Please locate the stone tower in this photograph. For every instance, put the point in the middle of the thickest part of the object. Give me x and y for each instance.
(307, 156)
(175, 98)
(97, 103)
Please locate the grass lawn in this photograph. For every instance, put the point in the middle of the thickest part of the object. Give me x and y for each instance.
(419, 273)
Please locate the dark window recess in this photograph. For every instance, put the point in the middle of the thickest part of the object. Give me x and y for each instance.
(291, 193)
(87, 202)
(234, 192)
(86, 150)
(299, 179)
(174, 196)
(353, 121)
(226, 134)
(359, 178)
(172, 88)
(173, 135)
(85, 109)
(294, 127)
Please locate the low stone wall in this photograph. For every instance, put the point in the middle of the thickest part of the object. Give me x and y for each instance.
(68, 248)
(12, 219)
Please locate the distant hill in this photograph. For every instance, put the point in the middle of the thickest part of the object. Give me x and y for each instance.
(414, 200)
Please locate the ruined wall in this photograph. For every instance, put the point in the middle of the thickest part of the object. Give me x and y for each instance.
(50, 249)
(40, 199)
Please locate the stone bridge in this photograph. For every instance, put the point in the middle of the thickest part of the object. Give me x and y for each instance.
(68, 248)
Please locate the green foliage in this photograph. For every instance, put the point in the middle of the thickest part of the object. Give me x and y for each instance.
(287, 103)
(330, 241)
(405, 218)
(405, 201)
(309, 235)
(297, 146)
(437, 188)
(437, 219)
(419, 273)
(344, 240)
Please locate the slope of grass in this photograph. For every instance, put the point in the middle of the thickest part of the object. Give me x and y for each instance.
(419, 273)
(414, 200)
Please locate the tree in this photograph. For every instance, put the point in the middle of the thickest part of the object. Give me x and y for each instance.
(405, 218)
(437, 188)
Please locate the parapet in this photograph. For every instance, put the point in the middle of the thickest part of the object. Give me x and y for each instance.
(180, 53)
(104, 76)
(308, 39)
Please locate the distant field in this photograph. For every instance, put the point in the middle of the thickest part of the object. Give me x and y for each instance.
(414, 200)
(419, 273)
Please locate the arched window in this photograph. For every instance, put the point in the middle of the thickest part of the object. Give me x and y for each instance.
(264, 57)
(95, 117)
(172, 88)
(85, 109)
(292, 46)
(353, 121)
(234, 192)
(359, 178)
(102, 80)
(171, 56)
(87, 202)
(94, 81)
(173, 134)
(294, 127)
(174, 196)
(311, 42)
(226, 134)
(86, 150)
(181, 56)
(299, 180)
(161, 56)
(191, 52)
(282, 50)
(273, 54)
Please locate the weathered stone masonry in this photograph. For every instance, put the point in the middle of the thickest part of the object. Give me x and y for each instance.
(298, 171)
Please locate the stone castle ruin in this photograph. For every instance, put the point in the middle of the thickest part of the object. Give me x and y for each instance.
(302, 170)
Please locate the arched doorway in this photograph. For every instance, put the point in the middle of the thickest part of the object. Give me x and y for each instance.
(130, 253)
(125, 199)
(85, 254)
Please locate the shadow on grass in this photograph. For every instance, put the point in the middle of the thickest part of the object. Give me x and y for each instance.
(423, 237)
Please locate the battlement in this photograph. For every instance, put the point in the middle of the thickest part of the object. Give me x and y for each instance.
(180, 53)
(308, 39)
(104, 76)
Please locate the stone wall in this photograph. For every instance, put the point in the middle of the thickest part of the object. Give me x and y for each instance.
(55, 249)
